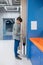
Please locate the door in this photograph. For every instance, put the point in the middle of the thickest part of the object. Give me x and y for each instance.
(8, 28)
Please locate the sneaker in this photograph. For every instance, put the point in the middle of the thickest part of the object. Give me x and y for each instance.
(18, 54)
(18, 58)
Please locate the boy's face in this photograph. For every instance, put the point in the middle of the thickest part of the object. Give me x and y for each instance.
(18, 21)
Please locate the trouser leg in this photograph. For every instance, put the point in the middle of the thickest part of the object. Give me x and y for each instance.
(16, 44)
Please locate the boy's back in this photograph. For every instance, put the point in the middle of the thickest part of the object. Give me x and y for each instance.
(16, 31)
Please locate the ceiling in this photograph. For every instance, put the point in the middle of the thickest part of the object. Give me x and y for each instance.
(9, 3)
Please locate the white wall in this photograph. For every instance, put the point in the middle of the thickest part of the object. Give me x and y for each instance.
(6, 15)
(23, 14)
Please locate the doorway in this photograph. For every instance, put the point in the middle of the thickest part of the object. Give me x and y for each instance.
(8, 28)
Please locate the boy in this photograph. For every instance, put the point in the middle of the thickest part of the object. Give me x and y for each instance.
(16, 33)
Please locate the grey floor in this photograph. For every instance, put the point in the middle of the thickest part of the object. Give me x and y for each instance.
(7, 54)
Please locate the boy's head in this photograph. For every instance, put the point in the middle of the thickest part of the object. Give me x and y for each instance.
(19, 19)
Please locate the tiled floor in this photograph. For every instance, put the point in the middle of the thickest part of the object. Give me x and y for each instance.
(7, 54)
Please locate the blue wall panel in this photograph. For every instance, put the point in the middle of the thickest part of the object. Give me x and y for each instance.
(34, 13)
(41, 58)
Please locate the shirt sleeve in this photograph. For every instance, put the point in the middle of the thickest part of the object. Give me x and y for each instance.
(15, 28)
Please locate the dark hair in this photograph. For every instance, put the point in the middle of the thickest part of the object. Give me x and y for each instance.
(20, 19)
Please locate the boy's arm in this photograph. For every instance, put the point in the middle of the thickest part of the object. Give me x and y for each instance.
(15, 30)
(19, 33)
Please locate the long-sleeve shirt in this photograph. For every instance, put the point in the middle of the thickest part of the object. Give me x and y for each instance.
(16, 31)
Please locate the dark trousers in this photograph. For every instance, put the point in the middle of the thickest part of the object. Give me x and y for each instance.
(16, 45)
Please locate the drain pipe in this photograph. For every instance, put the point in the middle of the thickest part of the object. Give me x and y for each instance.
(24, 44)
